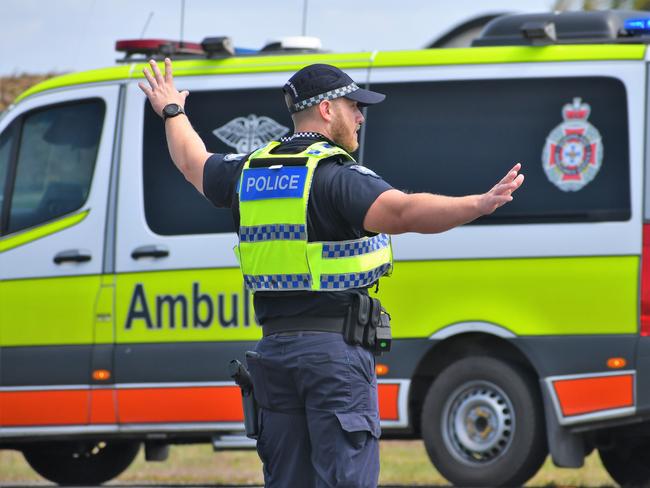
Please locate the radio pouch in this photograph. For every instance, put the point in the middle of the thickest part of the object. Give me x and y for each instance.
(368, 325)
(357, 319)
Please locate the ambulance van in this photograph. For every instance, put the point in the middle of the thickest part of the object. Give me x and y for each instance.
(523, 334)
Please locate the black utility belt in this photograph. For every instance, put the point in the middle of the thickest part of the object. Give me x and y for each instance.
(366, 324)
(303, 324)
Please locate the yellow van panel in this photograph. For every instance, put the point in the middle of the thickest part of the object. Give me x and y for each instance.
(48, 311)
(535, 296)
(184, 305)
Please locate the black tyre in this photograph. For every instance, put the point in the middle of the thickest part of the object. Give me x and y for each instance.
(628, 462)
(483, 424)
(81, 463)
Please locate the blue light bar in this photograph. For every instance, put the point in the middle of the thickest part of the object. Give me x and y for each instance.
(637, 26)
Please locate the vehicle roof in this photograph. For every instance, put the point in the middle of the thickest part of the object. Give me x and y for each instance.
(379, 59)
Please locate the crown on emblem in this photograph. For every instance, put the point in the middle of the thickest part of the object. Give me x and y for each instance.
(576, 110)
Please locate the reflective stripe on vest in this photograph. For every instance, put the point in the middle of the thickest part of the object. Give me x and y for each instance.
(273, 250)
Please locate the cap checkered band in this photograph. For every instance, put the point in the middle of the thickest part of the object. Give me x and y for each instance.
(274, 232)
(345, 281)
(278, 282)
(355, 248)
(330, 95)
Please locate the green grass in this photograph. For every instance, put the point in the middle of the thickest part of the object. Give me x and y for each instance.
(402, 462)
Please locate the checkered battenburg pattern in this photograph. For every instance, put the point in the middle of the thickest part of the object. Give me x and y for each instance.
(352, 280)
(301, 135)
(278, 281)
(330, 95)
(354, 248)
(273, 232)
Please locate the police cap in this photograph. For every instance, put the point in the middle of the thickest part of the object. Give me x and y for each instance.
(317, 82)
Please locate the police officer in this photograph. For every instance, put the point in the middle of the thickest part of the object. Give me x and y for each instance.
(312, 227)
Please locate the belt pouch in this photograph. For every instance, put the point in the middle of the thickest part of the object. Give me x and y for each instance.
(384, 336)
(356, 320)
(370, 330)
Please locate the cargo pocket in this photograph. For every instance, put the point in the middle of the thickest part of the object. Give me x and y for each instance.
(359, 427)
(325, 377)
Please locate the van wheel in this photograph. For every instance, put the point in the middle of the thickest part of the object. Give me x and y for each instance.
(483, 424)
(81, 463)
(628, 461)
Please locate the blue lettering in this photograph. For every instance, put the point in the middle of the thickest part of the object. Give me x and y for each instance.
(262, 183)
(282, 182)
(250, 183)
(294, 182)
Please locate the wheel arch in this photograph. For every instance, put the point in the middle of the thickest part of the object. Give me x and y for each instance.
(458, 341)
(485, 339)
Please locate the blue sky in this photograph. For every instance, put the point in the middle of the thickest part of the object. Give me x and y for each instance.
(40, 36)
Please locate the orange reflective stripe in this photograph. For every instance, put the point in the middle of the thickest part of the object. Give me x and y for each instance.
(102, 407)
(585, 395)
(194, 404)
(24, 408)
(143, 405)
(388, 401)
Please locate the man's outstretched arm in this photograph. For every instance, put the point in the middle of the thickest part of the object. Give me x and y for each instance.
(396, 212)
(185, 146)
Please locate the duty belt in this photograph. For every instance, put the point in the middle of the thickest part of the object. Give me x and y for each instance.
(303, 324)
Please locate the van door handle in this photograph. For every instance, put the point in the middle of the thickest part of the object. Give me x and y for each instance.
(72, 256)
(150, 251)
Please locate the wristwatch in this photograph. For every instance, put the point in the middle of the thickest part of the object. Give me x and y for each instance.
(171, 110)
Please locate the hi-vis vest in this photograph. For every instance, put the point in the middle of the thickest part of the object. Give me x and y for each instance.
(273, 250)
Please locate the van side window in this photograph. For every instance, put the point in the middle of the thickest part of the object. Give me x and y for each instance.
(6, 144)
(459, 137)
(56, 159)
(228, 121)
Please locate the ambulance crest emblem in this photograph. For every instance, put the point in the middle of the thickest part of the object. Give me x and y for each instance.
(245, 134)
(573, 153)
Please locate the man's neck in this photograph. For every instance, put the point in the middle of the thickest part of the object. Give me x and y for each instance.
(313, 128)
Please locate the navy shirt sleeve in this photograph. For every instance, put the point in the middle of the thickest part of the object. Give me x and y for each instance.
(353, 189)
(220, 175)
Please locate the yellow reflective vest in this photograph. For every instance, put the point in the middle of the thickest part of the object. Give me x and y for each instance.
(273, 250)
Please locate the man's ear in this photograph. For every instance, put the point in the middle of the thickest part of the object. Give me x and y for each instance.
(325, 110)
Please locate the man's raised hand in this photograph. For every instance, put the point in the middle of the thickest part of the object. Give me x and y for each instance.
(501, 193)
(161, 90)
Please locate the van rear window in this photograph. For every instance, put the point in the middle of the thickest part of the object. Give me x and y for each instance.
(460, 137)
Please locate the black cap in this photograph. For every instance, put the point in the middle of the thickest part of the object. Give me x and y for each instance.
(317, 82)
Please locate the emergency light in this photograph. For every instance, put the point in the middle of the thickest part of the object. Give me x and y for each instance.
(151, 47)
(637, 26)
(209, 48)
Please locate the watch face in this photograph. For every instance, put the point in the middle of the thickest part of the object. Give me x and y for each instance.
(172, 109)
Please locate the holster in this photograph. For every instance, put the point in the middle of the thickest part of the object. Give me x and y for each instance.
(242, 377)
(368, 325)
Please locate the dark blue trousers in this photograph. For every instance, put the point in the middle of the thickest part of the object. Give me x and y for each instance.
(319, 416)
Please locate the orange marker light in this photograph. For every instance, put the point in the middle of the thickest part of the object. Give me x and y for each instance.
(101, 375)
(616, 363)
(381, 369)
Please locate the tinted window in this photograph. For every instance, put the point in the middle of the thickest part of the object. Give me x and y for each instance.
(460, 137)
(6, 139)
(56, 159)
(228, 121)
